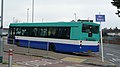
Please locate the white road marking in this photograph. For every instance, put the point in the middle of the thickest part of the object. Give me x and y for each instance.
(69, 66)
(113, 55)
(109, 54)
(118, 59)
(114, 59)
(111, 60)
(78, 65)
(38, 63)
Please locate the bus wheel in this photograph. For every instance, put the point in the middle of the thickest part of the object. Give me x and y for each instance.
(51, 47)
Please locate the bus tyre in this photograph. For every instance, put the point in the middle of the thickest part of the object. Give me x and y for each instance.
(51, 47)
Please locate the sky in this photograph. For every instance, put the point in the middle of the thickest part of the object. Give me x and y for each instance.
(60, 10)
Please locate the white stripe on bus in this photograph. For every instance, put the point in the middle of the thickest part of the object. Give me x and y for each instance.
(65, 41)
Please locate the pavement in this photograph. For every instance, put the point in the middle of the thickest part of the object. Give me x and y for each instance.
(52, 59)
(32, 61)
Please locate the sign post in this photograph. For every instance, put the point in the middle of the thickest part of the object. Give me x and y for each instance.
(1, 30)
(101, 18)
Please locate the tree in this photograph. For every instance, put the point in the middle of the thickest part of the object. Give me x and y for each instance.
(104, 33)
(116, 3)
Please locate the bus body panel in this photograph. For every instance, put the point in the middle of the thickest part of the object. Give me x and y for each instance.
(95, 37)
(60, 45)
(75, 33)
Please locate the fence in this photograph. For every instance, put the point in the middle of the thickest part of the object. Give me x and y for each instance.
(112, 40)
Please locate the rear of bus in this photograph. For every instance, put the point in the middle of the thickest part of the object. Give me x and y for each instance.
(90, 37)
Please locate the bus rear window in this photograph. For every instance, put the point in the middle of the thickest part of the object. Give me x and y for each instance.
(90, 29)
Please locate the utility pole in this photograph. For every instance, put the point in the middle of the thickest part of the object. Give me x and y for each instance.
(27, 15)
(32, 11)
(75, 17)
(1, 30)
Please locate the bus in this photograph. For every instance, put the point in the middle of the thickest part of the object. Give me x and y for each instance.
(56, 36)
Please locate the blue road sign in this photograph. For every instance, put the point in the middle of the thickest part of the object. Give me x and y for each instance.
(100, 18)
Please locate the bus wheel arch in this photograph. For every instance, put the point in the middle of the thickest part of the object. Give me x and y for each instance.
(17, 42)
(52, 47)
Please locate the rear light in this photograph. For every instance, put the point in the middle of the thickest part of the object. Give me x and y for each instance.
(80, 44)
(98, 43)
(80, 41)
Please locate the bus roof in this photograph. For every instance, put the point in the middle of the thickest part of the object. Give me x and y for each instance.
(37, 24)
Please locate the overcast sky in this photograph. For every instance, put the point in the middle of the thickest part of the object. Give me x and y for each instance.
(60, 10)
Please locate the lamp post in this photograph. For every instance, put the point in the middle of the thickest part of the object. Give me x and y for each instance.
(27, 15)
(32, 11)
(75, 17)
(1, 28)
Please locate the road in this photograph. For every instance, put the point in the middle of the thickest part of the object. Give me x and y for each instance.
(112, 53)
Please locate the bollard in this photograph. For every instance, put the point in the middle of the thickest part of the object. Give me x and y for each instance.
(10, 58)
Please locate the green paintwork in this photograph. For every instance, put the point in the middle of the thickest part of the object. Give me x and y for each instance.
(76, 28)
(44, 24)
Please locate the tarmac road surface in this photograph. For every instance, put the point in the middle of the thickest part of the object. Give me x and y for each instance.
(112, 53)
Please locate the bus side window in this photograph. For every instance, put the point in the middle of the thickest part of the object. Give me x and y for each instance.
(64, 32)
(45, 32)
(42, 32)
(49, 32)
(23, 31)
(68, 33)
(52, 32)
(35, 31)
(18, 31)
(59, 32)
(39, 31)
(26, 33)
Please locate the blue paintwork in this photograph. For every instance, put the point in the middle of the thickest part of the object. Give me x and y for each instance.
(39, 45)
(59, 47)
(76, 48)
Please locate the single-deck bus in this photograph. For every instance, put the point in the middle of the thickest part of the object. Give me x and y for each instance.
(58, 36)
